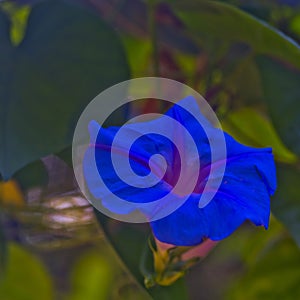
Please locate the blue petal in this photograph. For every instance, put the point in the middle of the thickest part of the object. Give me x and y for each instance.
(143, 149)
(244, 194)
(248, 181)
(108, 174)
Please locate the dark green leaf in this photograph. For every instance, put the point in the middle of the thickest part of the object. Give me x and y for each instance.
(67, 57)
(286, 203)
(282, 95)
(32, 175)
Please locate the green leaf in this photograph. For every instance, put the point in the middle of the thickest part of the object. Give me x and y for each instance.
(211, 21)
(250, 127)
(129, 241)
(66, 58)
(282, 95)
(286, 202)
(91, 278)
(25, 277)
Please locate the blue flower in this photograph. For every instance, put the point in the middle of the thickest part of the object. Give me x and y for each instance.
(244, 190)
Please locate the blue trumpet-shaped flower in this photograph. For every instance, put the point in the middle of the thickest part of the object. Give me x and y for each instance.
(243, 193)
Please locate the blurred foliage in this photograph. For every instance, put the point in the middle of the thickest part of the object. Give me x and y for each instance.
(272, 267)
(136, 255)
(228, 272)
(97, 275)
(276, 275)
(25, 277)
(56, 56)
(91, 278)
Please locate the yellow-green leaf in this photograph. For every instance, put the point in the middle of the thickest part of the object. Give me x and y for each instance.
(25, 277)
(254, 129)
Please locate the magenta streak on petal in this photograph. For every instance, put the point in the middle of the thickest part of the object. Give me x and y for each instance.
(133, 155)
(176, 163)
